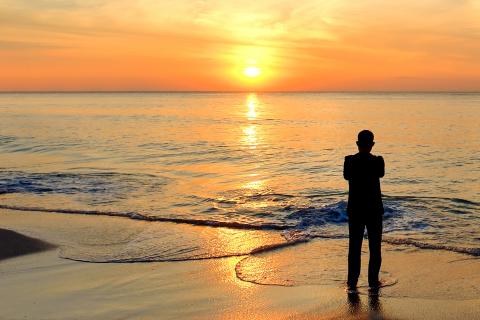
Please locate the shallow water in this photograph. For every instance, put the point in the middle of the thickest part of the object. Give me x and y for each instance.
(243, 161)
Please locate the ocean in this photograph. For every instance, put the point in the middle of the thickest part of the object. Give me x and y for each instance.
(260, 171)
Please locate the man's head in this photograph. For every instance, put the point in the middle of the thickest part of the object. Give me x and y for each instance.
(365, 141)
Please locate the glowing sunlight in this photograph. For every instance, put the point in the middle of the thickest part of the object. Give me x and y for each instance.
(252, 72)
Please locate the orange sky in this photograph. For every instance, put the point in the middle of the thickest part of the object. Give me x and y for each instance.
(206, 45)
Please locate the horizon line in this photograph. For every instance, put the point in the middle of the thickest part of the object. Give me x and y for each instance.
(235, 91)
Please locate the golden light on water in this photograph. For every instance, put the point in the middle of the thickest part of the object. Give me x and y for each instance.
(254, 185)
(250, 136)
(252, 102)
(250, 132)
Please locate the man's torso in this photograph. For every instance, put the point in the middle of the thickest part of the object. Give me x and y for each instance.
(363, 172)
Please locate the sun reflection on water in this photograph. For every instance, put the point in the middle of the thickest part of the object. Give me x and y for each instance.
(234, 240)
(252, 103)
(250, 131)
(250, 136)
(255, 185)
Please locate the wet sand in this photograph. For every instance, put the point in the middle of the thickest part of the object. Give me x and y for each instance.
(429, 284)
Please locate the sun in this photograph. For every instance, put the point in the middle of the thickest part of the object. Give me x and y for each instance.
(252, 71)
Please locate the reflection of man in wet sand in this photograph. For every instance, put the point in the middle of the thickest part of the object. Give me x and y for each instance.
(365, 208)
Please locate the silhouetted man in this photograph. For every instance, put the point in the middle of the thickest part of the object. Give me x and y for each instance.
(365, 208)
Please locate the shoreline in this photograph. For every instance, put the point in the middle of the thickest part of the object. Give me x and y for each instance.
(431, 284)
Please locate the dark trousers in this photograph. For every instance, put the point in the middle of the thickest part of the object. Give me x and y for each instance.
(356, 228)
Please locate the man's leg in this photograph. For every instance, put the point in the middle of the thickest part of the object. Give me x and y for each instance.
(356, 228)
(374, 230)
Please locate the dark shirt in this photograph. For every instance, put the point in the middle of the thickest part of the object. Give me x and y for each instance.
(363, 172)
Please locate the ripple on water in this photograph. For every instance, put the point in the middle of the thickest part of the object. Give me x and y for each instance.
(444, 275)
(170, 242)
(321, 262)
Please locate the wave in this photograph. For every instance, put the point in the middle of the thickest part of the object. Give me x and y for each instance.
(300, 233)
(6, 140)
(298, 217)
(411, 198)
(70, 254)
(139, 216)
(112, 184)
(140, 242)
(433, 246)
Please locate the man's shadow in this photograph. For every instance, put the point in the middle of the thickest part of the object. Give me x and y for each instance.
(374, 305)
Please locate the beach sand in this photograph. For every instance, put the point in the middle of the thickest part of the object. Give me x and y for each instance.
(305, 280)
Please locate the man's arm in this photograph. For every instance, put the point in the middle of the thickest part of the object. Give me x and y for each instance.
(381, 166)
(347, 170)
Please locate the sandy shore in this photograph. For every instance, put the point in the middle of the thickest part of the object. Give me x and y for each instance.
(39, 284)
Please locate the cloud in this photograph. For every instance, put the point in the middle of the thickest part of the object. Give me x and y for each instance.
(204, 40)
(27, 45)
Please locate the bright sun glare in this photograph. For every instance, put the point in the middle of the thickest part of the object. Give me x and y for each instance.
(252, 72)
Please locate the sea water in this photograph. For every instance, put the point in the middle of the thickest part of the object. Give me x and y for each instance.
(257, 162)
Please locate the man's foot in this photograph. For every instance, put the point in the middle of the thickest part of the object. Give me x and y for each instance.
(375, 285)
(351, 289)
(373, 289)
